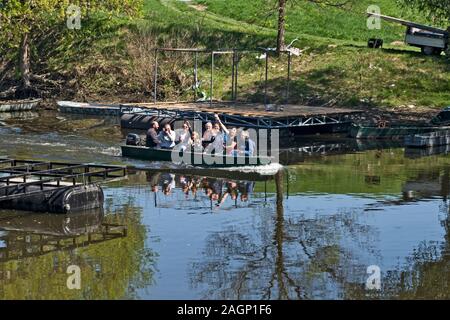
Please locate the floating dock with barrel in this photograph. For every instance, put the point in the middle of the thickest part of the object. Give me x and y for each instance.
(54, 187)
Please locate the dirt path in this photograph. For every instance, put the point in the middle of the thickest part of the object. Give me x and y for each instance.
(228, 23)
(224, 22)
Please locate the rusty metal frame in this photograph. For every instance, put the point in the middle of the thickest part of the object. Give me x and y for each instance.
(235, 65)
(19, 175)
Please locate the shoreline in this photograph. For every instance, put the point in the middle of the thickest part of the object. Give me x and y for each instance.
(393, 115)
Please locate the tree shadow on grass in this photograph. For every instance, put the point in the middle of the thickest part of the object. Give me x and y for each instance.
(314, 88)
(211, 38)
(407, 51)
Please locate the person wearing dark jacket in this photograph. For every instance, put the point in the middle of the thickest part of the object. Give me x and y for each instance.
(152, 135)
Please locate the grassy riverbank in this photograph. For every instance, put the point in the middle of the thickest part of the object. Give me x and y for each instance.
(110, 60)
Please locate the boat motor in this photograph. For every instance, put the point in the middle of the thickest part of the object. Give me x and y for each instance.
(133, 139)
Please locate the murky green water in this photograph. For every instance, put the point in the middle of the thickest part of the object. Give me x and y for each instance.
(309, 232)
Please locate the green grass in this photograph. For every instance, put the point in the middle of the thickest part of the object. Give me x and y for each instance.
(336, 66)
(308, 18)
(112, 60)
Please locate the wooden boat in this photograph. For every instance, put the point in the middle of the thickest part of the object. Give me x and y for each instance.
(96, 109)
(19, 105)
(426, 140)
(88, 108)
(367, 132)
(192, 158)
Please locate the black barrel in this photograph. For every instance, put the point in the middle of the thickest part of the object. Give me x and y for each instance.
(136, 121)
(165, 121)
(142, 122)
(66, 200)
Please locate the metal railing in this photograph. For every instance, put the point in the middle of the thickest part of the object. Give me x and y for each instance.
(235, 69)
(26, 177)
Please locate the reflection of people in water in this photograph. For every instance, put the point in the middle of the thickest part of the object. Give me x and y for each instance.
(211, 189)
(167, 182)
(188, 184)
(218, 190)
(217, 187)
(245, 188)
(184, 184)
(154, 181)
(231, 191)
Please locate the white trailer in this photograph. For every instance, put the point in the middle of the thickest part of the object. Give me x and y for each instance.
(431, 40)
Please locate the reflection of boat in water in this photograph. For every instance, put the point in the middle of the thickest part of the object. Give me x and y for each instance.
(25, 115)
(414, 153)
(305, 151)
(32, 235)
(427, 140)
(428, 185)
(425, 189)
(51, 224)
(192, 158)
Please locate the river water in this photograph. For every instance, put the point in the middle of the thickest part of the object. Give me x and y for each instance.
(337, 210)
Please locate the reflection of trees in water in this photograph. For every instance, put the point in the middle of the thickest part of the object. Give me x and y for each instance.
(109, 270)
(425, 274)
(282, 258)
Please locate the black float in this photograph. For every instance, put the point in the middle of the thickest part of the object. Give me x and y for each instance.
(54, 187)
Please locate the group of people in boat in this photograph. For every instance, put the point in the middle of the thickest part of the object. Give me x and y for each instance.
(216, 138)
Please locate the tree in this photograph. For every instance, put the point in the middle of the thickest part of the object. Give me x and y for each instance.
(22, 21)
(281, 44)
(437, 10)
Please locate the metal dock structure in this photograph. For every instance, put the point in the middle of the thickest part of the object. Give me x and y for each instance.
(248, 115)
(54, 186)
(233, 112)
